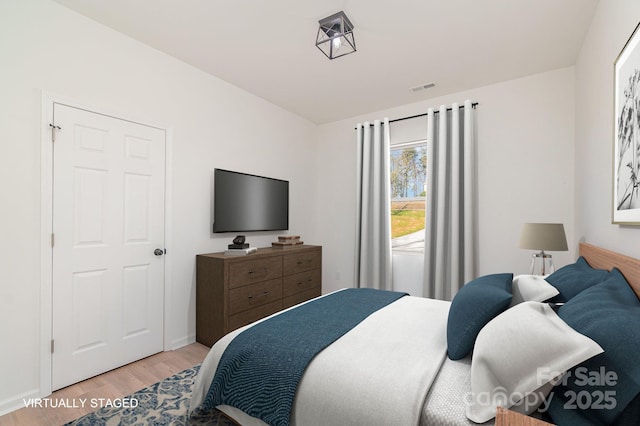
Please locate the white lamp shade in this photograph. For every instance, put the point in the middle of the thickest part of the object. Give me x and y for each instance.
(543, 236)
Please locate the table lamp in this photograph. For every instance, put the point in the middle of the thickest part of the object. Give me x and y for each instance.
(543, 236)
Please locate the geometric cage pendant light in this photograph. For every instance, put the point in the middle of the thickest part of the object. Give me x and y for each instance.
(335, 36)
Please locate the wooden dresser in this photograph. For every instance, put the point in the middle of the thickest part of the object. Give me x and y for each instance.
(233, 291)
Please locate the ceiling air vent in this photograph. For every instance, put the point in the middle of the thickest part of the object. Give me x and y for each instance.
(422, 87)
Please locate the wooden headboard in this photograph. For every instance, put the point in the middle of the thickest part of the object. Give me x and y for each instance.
(600, 258)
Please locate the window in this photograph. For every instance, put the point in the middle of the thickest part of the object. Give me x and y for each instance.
(408, 189)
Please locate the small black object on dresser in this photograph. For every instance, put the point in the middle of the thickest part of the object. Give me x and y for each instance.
(238, 243)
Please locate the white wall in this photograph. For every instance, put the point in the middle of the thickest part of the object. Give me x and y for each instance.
(525, 171)
(44, 46)
(408, 271)
(612, 25)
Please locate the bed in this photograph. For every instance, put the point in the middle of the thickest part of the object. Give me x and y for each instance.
(402, 363)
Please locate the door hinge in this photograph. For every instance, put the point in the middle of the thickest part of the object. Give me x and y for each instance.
(53, 239)
(53, 131)
(52, 345)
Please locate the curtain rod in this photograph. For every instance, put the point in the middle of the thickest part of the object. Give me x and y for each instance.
(473, 105)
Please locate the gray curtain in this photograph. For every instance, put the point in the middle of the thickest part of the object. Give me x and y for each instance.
(450, 253)
(373, 230)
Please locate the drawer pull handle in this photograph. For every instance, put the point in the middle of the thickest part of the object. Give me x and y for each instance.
(264, 294)
(264, 270)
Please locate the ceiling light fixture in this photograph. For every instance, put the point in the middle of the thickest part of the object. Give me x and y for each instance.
(335, 36)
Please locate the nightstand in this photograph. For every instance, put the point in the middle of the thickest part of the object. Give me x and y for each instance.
(505, 417)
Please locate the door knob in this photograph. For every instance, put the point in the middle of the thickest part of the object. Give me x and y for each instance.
(158, 252)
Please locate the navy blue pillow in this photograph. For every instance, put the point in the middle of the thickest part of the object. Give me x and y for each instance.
(570, 280)
(609, 314)
(477, 303)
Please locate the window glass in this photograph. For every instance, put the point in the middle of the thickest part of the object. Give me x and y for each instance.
(408, 186)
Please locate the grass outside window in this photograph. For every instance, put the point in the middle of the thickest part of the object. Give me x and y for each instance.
(407, 217)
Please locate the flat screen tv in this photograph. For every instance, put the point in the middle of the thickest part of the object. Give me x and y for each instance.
(244, 202)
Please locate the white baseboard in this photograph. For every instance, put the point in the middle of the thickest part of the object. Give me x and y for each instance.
(183, 341)
(17, 402)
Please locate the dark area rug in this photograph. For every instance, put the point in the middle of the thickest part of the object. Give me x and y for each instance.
(164, 403)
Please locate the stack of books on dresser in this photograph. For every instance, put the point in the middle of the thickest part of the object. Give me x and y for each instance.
(241, 249)
(285, 241)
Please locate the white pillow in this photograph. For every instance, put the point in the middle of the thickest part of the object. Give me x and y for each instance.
(518, 353)
(531, 288)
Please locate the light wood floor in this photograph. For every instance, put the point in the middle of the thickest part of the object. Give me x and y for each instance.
(114, 384)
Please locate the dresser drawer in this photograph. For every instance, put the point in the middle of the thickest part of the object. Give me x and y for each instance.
(300, 297)
(253, 295)
(254, 270)
(301, 281)
(299, 262)
(247, 317)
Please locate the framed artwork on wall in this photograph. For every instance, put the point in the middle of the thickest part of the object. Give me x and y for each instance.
(626, 149)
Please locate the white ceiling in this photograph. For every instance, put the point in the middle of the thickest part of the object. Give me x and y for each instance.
(267, 47)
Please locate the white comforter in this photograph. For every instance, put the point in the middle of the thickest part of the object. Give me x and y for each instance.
(377, 374)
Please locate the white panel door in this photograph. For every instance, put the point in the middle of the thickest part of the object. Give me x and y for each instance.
(108, 222)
